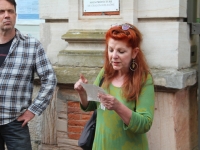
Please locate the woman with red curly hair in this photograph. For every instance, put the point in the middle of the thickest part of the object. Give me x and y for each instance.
(129, 101)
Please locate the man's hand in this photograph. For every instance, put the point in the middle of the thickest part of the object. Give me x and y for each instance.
(26, 117)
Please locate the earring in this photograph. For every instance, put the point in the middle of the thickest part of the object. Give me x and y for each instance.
(133, 65)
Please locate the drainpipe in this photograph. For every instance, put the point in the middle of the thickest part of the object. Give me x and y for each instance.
(197, 26)
(193, 19)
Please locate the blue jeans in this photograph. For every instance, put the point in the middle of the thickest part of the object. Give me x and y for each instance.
(15, 136)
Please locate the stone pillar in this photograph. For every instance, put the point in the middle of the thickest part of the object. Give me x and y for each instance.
(175, 120)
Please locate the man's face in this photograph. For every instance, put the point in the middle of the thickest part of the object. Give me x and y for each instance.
(7, 16)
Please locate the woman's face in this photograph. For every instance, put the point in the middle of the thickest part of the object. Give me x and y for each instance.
(120, 55)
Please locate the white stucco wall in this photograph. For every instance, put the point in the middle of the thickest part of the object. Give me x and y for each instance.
(31, 30)
(57, 9)
(166, 44)
(166, 40)
(162, 8)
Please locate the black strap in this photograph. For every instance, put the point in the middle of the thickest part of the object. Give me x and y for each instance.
(135, 106)
(101, 81)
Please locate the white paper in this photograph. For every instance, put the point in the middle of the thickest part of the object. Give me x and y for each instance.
(92, 91)
(102, 107)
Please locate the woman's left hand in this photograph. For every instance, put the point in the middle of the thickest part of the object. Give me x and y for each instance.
(111, 103)
(108, 101)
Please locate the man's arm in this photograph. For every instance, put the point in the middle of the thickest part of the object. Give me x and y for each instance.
(48, 80)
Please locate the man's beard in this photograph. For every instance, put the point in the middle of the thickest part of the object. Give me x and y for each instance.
(6, 28)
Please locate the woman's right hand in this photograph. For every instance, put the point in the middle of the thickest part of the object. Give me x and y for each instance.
(78, 87)
(82, 93)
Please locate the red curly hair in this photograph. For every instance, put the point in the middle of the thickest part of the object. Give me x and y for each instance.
(134, 80)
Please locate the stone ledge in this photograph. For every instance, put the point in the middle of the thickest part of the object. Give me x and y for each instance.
(81, 58)
(174, 79)
(165, 78)
(77, 35)
(69, 75)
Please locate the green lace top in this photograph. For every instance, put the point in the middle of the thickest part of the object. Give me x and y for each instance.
(111, 133)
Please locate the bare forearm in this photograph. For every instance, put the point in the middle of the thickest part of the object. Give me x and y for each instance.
(124, 112)
(83, 99)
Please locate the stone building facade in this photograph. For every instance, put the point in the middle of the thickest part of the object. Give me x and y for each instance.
(74, 42)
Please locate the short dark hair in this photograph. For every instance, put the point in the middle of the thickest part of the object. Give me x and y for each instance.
(13, 3)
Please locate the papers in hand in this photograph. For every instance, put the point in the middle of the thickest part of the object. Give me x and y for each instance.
(92, 91)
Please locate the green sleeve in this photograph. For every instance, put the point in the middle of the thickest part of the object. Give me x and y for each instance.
(142, 119)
